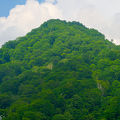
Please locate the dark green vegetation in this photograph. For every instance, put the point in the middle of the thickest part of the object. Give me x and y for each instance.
(60, 71)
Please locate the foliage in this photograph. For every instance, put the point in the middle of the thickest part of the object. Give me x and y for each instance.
(60, 71)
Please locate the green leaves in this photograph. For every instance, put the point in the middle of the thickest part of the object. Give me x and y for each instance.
(60, 71)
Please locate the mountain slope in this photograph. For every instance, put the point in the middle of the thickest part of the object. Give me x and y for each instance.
(60, 71)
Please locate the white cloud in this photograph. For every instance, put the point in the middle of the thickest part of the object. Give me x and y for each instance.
(23, 18)
(50, 1)
(103, 15)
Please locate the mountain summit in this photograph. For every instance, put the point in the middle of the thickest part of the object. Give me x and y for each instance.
(60, 71)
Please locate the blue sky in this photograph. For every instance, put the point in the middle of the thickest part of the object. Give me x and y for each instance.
(7, 5)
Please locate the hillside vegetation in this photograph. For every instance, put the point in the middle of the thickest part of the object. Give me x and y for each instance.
(60, 71)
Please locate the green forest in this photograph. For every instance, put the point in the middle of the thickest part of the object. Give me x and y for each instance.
(60, 71)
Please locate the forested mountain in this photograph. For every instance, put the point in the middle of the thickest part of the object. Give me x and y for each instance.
(60, 71)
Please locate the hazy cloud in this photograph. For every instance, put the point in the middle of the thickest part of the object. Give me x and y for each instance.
(99, 14)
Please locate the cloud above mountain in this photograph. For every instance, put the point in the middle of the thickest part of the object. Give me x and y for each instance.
(23, 18)
(103, 15)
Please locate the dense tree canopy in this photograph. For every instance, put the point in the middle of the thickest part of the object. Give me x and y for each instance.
(60, 71)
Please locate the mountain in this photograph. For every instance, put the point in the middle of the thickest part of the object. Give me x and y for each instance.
(60, 71)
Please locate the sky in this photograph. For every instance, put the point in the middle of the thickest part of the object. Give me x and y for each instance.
(18, 17)
(7, 5)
